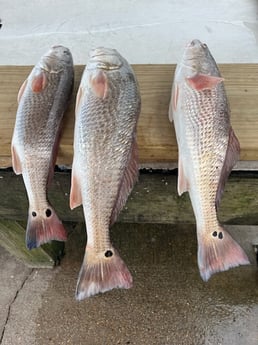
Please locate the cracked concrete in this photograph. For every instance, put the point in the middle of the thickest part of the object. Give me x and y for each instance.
(20, 299)
(168, 305)
(12, 302)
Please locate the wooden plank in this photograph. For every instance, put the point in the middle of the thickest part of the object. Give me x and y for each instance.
(12, 239)
(153, 200)
(156, 138)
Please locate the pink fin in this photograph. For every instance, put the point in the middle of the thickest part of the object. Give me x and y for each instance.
(129, 179)
(232, 156)
(182, 183)
(173, 102)
(99, 84)
(201, 82)
(16, 163)
(78, 99)
(75, 193)
(44, 228)
(54, 157)
(218, 252)
(39, 82)
(101, 274)
(21, 91)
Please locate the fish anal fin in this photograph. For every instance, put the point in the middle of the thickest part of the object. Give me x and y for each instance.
(78, 99)
(75, 193)
(43, 228)
(99, 84)
(21, 90)
(39, 82)
(129, 179)
(54, 156)
(217, 252)
(16, 163)
(201, 82)
(182, 183)
(231, 157)
(100, 274)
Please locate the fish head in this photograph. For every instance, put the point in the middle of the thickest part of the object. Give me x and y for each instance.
(197, 59)
(105, 58)
(56, 59)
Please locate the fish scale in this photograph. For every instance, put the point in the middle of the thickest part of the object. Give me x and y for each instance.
(105, 164)
(208, 150)
(42, 99)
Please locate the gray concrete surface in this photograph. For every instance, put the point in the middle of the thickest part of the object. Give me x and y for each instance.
(169, 304)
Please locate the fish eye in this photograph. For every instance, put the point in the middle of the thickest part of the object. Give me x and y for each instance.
(204, 45)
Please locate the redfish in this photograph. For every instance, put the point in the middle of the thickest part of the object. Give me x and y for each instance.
(208, 149)
(105, 164)
(42, 101)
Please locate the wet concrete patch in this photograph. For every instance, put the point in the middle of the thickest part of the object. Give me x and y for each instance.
(169, 303)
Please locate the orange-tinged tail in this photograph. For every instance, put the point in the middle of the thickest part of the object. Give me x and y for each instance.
(218, 252)
(43, 228)
(101, 273)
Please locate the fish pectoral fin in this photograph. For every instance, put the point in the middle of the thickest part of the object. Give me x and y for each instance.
(231, 157)
(16, 163)
(21, 90)
(39, 82)
(75, 193)
(173, 102)
(201, 82)
(128, 180)
(182, 183)
(99, 84)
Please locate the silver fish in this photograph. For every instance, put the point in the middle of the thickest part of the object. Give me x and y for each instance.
(105, 164)
(208, 150)
(43, 99)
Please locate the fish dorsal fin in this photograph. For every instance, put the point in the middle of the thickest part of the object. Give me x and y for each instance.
(99, 84)
(201, 82)
(231, 157)
(173, 101)
(22, 89)
(182, 183)
(129, 178)
(16, 163)
(39, 82)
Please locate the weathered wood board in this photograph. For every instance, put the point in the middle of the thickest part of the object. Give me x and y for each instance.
(153, 200)
(156, 138)
(12, 238)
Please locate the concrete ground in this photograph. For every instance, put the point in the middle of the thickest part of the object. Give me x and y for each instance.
(169, 304)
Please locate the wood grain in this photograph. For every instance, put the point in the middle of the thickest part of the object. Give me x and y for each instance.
(154, 200)
(156, 138)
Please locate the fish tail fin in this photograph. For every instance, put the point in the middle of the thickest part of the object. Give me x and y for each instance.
(101, 273)
(43, 228)
(217, 252)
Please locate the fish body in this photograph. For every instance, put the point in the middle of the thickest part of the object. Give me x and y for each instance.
(42, 101)
(105, 164)
(207, 149)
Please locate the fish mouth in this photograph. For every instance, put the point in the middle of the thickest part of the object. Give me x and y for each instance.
(197, 44)
(105, 58)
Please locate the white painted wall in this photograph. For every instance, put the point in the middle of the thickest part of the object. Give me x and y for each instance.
(144, 31)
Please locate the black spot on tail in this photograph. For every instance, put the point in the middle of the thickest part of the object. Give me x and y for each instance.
(220, 235)
(48, 212)
(108, 253)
